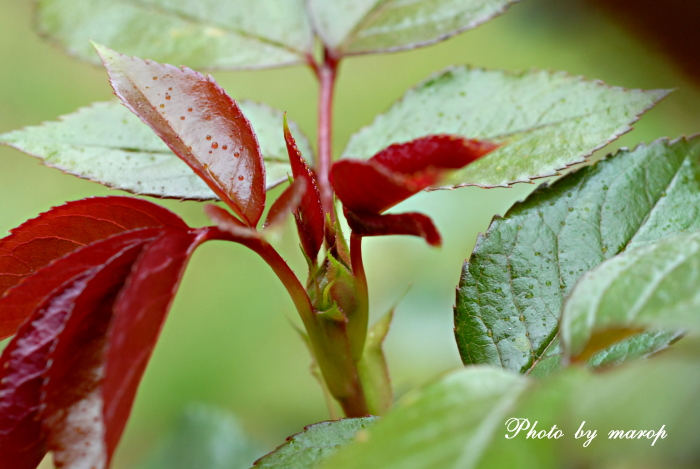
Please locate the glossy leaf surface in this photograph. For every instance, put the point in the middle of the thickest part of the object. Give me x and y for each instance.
(315, 444)
(401, 170)
(309, 214)
(77, 363)
(513, 287)
(654, 286)
(106, 143)
(365, 26)
(203, 34)
(199, 122)
(65, 228)
(460, 421)
(544, 121)
(413, 224)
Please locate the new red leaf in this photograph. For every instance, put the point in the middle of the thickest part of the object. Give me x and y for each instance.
(414, 224)
(309, 214)
(286, 203)
(70, 375)
(199, 122)
(63, 229)
(401, 170)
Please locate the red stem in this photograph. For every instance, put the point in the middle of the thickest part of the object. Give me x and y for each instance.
(326, 74)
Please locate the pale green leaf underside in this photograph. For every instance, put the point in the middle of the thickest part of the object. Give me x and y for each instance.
(365, 26)
(232, 34)
(513, 287)
(657, 285)
(316, 443)
(460, 421)
(106, 143)
(208, 438)
(545, 121)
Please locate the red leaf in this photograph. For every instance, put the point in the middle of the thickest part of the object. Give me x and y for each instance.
(140, 311)
(309, 214)
(24, 363)
(230, 224)
(70, 375)
(401, 170)
(415, 224)
(286, 203)
(63, 229)
(199, 122)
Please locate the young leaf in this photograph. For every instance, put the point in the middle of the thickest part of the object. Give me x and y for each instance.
(402, 170)
(285, 204)
(413, 224)
(360, 27)
(513, 287)
(543, 121)
(199, 122)
(654, 286)
(309, 214)
(63, 229)
(205, 34)
(108, 144)
(315, 444)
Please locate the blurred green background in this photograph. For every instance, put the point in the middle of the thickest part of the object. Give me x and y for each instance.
(228, 341)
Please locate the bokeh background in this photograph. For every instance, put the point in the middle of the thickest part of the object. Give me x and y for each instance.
(228, 341)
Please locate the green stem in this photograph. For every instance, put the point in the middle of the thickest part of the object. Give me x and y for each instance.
(358, 323)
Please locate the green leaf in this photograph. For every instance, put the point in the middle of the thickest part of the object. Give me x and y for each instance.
(108, 144)
(315, 444)
(460, 422)
(513, 287)
(206, 438)
(366, 26)
(637, 347)
(373, 368)
(545, 121)
(230, 34)
(652, 286)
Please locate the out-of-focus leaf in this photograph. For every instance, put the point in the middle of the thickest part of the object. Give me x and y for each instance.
(65, 228)
(653, 286)
(513, 287)
(315, 444)
(308, 214)
(402, 170)
(233, 34)
(637, 347)
(208, 438)
(199, 122)
(461, 422)
(366, 26)
(106, 143)
(544, 121)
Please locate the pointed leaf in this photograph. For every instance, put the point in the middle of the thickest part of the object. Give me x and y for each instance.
(230, 224)
(315, 444)
(366, 26)
(654, 286)
(401, 170)
(199, 122)
(543, 121)
(285, 204)
(208, 33)
(411, 223)
(513, 287)
(373, 368)
(309, 214)
(25, 363)
(108, 144)
(63, 229)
